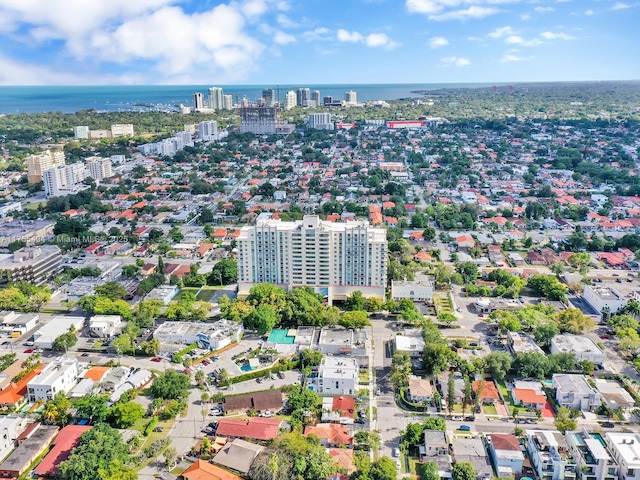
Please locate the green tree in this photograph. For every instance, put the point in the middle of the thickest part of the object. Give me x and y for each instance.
(572, 320)
(310, 358)
(383, 469)
(463, 471)
(151, 347)
(564, 423)
(430, 471)
(262, 319)
(171, 385)
(400, 369)
(123, 415)
(435, 423)
(437, 358)
(175, 234)
(545, 332)
(469, 272)
(225, 272)
(531, 365)
(112, 290)
(91, 407)
(355, 301)
(267, 294)
(498, 365)
(56, 411)
(97, 450)
(354, 319)
(124, 344)
(300, 401)
(447, 318)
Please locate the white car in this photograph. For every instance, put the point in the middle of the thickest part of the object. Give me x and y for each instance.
(267, 414)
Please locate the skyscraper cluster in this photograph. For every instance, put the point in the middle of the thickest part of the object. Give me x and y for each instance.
(216, 100)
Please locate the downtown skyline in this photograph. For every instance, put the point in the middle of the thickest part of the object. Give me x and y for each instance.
(67, 42)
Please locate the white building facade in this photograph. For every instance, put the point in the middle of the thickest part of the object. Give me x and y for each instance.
(337, 376)
(99, 168)
(64, 179)
(335, 259)
(58, 376)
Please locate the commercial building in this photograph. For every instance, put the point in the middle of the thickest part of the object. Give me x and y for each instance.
(81, 132)
(103, 326)
(549, 455)
(412, 345)
(10, 207)
(99, 168)
(164, 293)
(507, 456)
(58, 325)
(603, 299)
(573, 391)
(320, 121)
(582, 347)
(342, 341)
(337, 376)
(592, 458)
(31, 264)
(37, 164)
(17, 324)
(334, 259)
(315, 98)
(418, 290)
(521, 343)
(215, 98)
(58, 376)
(28, 451)
(64, 179)
(472, 450)
(258, 120)
(28, 231)
(121, 130)
(396, 124)
(212, 336)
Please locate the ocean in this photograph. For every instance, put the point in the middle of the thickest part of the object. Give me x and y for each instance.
(70, 99)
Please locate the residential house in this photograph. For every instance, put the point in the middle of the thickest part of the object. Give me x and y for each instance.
(583, 347)
(573, 391)
(238, 455)
(59, 376)
(436, 449)
(472, 450)
(203, 470)
(489, 393)
(549, 455)
(343, 457)
(614, 395)
(412, 345)
(506, 453)
(625, 449)
(330, 434)
(11, 426)
(259, 401)
(39, 439)
(337, 376)
(420, 389)
(66, 440)
(254, 428)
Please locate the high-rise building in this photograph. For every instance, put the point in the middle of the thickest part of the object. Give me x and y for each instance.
(290, 100)
(216, 98)
(335, 259)
(227, 102)
(303, 96)
(99, 168)
(315, 96)
(36, 164)
(269, 97)
(351, 97)
(81, 132)
(31, 264)
(208, 131)
(198, 101)
(258, 120)
(320, 121)
(64, 179)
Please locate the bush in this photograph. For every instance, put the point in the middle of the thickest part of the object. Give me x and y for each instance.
(150, 426)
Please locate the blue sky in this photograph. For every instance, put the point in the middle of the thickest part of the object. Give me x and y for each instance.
(98, 42)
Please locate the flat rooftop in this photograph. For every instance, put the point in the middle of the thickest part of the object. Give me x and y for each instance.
(575, 343)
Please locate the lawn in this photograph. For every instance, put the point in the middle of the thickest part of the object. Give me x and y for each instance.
(207, 293)
(415, 467)
(182, 291)
(504, 391)
(363, 376)
(489, 410)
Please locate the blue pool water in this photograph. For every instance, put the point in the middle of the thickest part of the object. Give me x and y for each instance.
(281, 336)
(246, 368)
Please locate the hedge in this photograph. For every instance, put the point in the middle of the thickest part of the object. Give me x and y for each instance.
(150, 426)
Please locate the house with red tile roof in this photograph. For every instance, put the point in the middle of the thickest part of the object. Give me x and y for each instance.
(330, 434)
(528, 398)
(423, 257)
(489, 393)
(203, 470)
(343, 457)
(254, 428)
(344, 404)
(176, 269)
(66, 440)
(15, 394)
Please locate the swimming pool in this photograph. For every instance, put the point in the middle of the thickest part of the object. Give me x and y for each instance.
(246, 368)
(281, 336)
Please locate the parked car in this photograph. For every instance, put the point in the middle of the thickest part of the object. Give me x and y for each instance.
(30, 350)
(607, 424)
(396, 452)
(206, 362)
(186, 371)
(378, 391)
(464, 428)
(158, 429)
(280, 375)
(267, 414)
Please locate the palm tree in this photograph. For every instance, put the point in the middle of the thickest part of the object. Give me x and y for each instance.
(632, 308)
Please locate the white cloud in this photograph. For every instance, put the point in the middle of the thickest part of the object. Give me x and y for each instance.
(473, 11)
(456, 61)
(441, 10)
(282, 38)
(437, 42)
(474, 39)
(285, 21)
(525, 17)
(556, 36)
(514, 39)
(510, 57)
(346, 36)
(544, 9)
(320, 34)
(371, 40)
(502, 32)
(620, 6)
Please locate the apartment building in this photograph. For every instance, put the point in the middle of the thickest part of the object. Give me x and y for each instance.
(573, 391)
(625, 449)
(31, 264)
(58, 376)
(549, 455)
(37, 164)
(337, 376)
(64, 179)
(335, 259)
(99, 168)
(592, 457)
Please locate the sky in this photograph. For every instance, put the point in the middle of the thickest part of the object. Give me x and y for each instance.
(269, 42)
